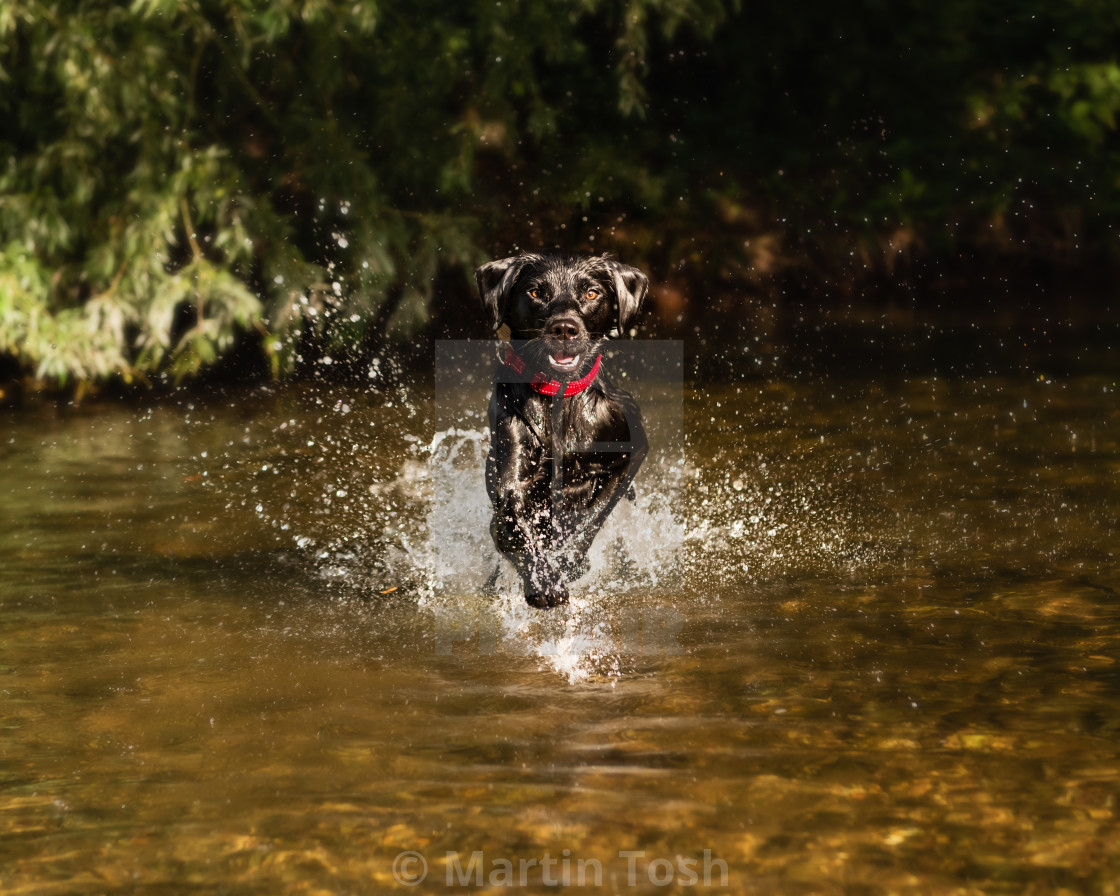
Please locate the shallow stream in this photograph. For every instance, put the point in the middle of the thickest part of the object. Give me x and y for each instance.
(856, 635)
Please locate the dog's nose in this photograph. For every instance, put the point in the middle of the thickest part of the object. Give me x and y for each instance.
(564, 328)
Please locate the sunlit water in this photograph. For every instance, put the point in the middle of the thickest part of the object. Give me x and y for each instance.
(852, 636)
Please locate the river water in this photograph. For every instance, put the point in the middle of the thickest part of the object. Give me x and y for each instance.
(857, 634)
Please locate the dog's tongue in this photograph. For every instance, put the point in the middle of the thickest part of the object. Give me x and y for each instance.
(562, 358)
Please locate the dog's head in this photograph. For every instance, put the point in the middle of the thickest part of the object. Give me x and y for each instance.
(560, 307)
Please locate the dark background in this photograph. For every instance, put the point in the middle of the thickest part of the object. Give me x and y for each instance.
(249, 188)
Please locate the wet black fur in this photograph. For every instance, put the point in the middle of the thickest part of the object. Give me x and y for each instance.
(558, 465)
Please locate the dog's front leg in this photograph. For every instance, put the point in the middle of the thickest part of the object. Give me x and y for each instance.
(619, 476)
(522, 523)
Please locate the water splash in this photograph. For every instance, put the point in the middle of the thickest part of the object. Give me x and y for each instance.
(581, 641)
(377, 508)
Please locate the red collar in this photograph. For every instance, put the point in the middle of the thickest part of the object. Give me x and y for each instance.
(546, 386)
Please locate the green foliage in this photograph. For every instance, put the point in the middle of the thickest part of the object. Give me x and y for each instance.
(178, 177)
(179, 174)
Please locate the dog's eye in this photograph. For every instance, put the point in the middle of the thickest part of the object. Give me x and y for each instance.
(534, 293)
(592, 294)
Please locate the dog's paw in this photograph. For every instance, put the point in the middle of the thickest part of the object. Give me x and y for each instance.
(546, 601)
(545, 592)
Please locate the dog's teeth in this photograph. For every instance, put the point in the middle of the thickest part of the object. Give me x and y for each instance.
(568, 363)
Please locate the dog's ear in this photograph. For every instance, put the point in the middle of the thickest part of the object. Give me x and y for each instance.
(630, 287)
(495, 280)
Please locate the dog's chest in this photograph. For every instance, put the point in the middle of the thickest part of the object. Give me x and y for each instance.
(575, 431)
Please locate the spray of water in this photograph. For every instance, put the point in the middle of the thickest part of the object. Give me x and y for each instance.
(376, 506)
(582, 640)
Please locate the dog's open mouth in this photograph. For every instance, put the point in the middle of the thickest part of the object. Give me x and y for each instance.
(564, 363)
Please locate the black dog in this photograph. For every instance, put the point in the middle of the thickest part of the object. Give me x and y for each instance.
(565, 444)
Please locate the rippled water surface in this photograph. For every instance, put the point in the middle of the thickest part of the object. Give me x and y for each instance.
(855, 636)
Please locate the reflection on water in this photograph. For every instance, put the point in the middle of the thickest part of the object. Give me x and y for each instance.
(863, 637)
